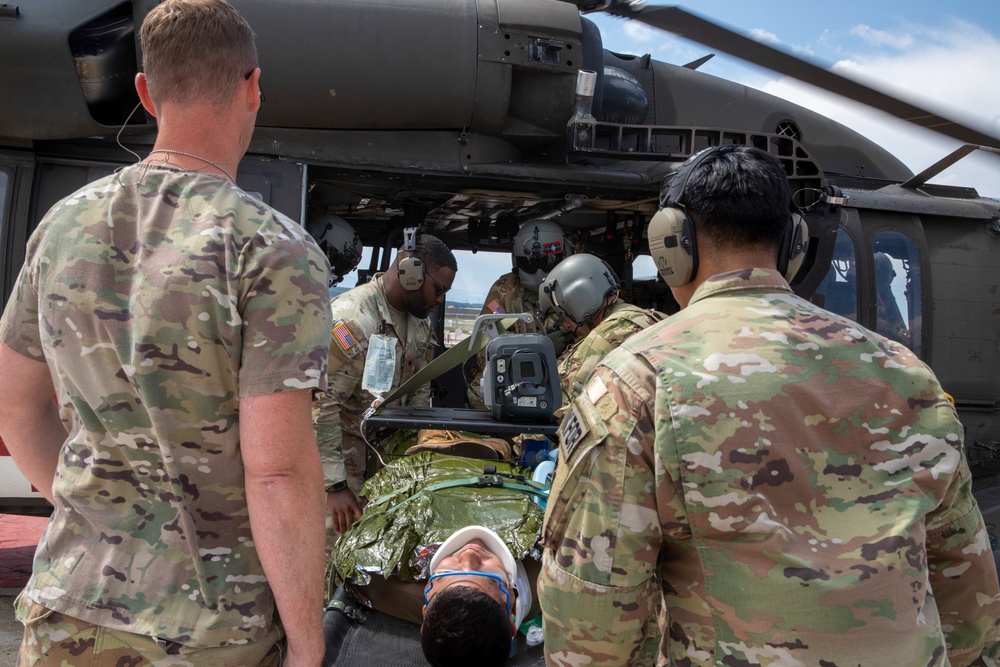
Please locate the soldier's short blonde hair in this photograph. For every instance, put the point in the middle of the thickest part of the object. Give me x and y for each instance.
(196, 51)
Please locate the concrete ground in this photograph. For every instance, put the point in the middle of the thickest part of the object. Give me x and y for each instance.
(10, 629)
(18, 537)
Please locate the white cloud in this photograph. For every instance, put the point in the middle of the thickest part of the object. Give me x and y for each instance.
(881, 37)
(764, 36)
(944, 70)
(639, 32)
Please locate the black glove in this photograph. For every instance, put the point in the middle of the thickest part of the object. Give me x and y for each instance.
(560, 340)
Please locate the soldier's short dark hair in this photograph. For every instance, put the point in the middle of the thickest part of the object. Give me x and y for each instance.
(433, 251)
(739, 196)
(464, 626)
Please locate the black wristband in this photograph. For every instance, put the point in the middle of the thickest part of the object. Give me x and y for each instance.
(337, 486)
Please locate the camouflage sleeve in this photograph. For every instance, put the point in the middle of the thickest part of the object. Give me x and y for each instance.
(579, 362)
(494, 300)
(346, 367)
(963, 574)
(602, 535)
(19, 327)
(285, 329)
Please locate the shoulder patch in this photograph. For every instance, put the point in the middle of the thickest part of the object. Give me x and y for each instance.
(344, 337)
(496, 308)
(571, 432)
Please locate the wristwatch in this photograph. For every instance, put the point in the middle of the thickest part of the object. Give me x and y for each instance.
(337, 486)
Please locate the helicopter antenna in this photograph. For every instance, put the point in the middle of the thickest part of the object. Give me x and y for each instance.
(930, 172)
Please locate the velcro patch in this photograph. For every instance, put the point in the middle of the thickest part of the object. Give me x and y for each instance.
(344, 337)
(572, 431)
(496, 308)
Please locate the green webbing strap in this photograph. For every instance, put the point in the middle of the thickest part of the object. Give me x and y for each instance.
(350, 611)
(457, 354)
(497, 481)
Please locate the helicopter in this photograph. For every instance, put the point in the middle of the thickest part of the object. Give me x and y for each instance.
(469, 117)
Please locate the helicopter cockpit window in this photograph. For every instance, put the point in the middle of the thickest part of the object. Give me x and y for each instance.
(898, 313)
(476, 274)
(839, 290)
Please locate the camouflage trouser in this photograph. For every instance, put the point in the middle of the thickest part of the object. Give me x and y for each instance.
(50, 638)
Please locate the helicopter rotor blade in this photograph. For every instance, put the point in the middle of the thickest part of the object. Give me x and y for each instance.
(691, 26)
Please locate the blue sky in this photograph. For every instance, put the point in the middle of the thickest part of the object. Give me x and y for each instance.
(940, 55)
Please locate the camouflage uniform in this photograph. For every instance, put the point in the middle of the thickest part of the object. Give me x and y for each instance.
(508, 296)
(578, 361)
(54, 639)
(159, 298)
(793, 485)
(359, 314)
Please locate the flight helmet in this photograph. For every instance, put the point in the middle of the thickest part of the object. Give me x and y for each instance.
(538, 246)
(577, 288)
(338, 240)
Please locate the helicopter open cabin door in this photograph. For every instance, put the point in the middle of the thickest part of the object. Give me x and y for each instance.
(16, 177)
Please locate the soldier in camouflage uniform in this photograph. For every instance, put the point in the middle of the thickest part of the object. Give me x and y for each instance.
(539, 246)
(791, 485)
(384, 306)
(583, 292)
(182, 326)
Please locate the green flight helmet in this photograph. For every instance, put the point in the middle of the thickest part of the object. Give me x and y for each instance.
(577, 288)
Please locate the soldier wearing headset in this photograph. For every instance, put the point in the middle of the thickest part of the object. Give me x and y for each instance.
(789, 485)
(389, 313)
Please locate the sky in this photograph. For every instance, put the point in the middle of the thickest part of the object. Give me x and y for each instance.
(940, 55)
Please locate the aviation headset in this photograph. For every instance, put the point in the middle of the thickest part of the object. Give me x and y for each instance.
(672, 242)
(411, 269)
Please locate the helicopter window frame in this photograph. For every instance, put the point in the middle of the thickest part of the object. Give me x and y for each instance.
(897, 287)
(6, 205)
(6, 186)
(839, 286)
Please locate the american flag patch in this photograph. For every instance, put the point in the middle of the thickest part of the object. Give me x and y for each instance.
(495, 308)
(344, 336)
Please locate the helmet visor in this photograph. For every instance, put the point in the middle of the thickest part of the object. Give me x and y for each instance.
(540, 256)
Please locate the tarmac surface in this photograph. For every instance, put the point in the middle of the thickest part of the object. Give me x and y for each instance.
(18, 538)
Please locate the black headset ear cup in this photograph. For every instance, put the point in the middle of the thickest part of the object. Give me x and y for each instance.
(411, 273)
(794, 243)
(672, 246)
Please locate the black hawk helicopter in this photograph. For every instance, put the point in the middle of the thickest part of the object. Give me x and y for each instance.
(468, 117)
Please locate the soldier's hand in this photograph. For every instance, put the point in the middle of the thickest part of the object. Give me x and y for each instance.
(343, 508)
(560, 340)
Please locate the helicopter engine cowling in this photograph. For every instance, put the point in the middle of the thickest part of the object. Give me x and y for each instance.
(492, 66)
(499, 67)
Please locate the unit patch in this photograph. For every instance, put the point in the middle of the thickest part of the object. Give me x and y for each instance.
(571, 431)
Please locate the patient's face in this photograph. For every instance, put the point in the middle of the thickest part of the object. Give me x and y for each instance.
(472, 557)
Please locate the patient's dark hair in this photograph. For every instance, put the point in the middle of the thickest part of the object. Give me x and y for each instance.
(464, 626)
